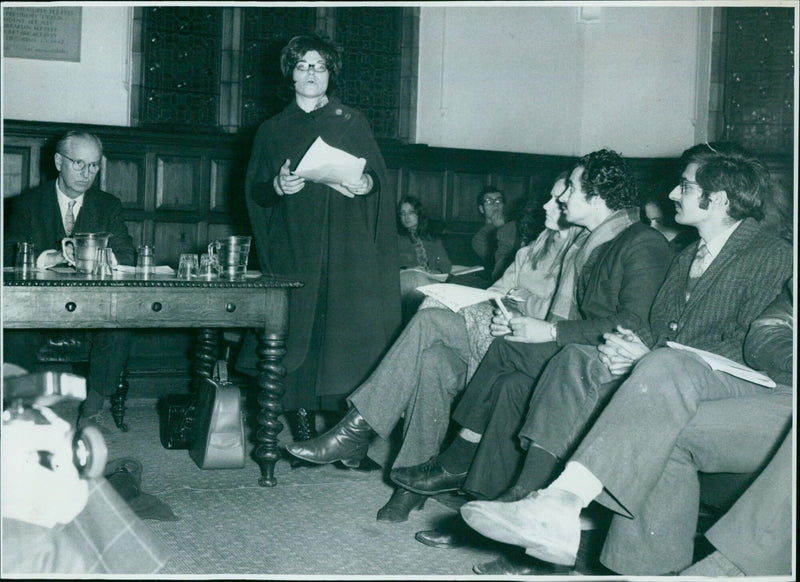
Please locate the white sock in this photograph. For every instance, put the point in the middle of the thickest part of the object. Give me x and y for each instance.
(579, 480)
(470, 435)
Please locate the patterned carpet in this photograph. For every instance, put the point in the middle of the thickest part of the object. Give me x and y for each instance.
(318, 521)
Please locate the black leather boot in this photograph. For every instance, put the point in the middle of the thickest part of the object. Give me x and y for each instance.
(346, 442)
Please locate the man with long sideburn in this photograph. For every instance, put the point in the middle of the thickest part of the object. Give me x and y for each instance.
(674, 415)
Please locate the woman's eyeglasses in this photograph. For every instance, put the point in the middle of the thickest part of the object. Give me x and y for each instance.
(79, 165)
(317, 68)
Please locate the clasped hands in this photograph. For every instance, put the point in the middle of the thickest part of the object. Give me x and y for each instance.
(621, 350)
(286, 183)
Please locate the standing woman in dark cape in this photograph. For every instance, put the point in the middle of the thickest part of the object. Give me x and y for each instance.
(343, 248)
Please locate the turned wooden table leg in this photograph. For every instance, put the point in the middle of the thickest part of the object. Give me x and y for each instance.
(205, 355)
(118, 401)
(271, 349)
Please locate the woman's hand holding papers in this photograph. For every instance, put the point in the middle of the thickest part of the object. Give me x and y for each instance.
(360, 188)
(287, 183)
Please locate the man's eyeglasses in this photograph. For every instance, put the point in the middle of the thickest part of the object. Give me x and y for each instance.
(493, 201)
(686, 185)
(79, 165)
(318, 67)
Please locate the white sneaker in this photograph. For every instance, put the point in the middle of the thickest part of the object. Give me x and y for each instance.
(546, 523)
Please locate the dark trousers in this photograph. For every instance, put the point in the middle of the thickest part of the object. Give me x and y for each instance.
(503, 357)
(495, 405)
(107, 358)
(499, 456)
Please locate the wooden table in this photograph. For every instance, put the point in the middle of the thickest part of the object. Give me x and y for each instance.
(50, 300)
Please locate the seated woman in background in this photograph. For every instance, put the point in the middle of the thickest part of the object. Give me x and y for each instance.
(421, 254)
(432, 360)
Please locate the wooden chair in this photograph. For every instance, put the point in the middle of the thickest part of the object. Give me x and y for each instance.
(72, 350)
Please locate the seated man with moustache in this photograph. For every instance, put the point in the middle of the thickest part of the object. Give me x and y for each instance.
(612, 282)
(673, 415)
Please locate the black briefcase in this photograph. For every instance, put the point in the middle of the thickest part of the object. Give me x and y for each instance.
(176, 418)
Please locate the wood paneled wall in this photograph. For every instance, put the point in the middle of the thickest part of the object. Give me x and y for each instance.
(182, 190)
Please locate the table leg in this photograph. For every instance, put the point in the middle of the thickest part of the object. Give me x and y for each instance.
(205, 354)
(118, 401)
(271, 349)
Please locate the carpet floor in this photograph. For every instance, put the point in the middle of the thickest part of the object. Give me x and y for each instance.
(319, 521)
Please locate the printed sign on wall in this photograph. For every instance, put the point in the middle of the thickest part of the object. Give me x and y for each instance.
(49, 34)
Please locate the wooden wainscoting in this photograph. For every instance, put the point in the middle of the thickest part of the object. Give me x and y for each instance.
(182, 189)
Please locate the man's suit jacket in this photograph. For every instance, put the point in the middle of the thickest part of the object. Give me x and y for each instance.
(617, 285)
(750, 270)
(35, 217)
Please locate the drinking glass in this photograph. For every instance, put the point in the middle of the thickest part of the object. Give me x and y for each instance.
(206, 267)
(145, 262)
(25, 260)
(187, 266)
(103, 263)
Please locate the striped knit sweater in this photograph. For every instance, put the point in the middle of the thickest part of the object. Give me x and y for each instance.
(743, 279)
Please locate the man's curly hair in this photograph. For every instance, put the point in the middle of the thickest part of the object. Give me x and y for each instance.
(606, 174)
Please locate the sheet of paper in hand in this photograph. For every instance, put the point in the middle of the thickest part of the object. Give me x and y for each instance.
(457, 296)
(330, 166)
(723, 364)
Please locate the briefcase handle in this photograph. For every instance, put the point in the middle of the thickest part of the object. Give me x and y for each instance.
(221, 371)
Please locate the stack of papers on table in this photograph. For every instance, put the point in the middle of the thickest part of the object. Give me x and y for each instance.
(330, 166)
(457, 297)
(723, 364)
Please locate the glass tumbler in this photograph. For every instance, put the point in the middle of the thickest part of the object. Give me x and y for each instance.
(25, 260)
(145, 261)
(103, 263)
(206, 267)
(187, 266)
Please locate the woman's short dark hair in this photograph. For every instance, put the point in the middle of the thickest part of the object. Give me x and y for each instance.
(423, 228)
(296, 48)
(728, 166)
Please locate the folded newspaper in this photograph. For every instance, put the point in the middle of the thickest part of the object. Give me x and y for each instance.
(457, 297)
(330, 166)
(723, 364)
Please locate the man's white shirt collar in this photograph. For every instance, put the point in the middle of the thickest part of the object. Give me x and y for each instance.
(64, 200)
(715, 245)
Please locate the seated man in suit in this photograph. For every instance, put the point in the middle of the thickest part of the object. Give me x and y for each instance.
(47, 214)
(615, 275)
(674, 415)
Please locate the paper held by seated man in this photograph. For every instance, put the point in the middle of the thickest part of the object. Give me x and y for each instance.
(723, 364)
(330, 166)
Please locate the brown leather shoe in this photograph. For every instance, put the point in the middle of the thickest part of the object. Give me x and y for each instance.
(429, 478)
(452, 534)
(347, 442)
(400, 504)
